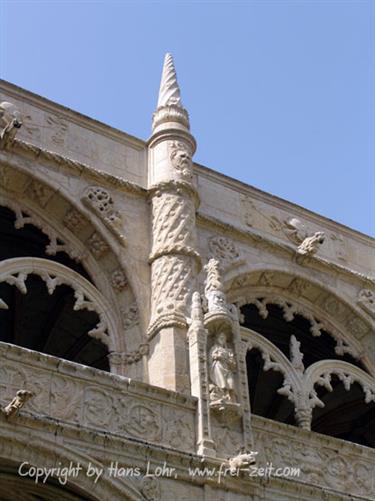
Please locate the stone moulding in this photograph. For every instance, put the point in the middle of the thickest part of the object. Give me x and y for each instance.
(73, 166)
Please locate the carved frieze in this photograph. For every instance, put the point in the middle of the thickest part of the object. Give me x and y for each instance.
(98, 400)
(351, 470)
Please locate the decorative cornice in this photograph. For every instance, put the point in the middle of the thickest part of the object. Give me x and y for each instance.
(27, 149)
(281, 248)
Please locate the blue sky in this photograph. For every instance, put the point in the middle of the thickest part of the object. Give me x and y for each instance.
(280, 93)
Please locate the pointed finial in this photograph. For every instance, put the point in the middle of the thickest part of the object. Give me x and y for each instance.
(169, 92)
(170, 114)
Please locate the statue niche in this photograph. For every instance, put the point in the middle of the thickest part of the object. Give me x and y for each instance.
(220, 322)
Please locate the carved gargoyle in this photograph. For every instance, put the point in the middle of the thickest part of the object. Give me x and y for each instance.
(12, 409)
(241, 461)
(311, 245)
(10, 122)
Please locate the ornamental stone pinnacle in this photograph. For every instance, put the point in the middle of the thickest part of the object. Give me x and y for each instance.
(174, 257)
(170, 109)
(169, 92)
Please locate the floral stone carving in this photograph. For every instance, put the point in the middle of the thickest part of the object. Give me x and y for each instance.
(100, 201)
(225, 251)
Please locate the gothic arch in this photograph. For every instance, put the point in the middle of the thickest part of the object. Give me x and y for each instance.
(82, 233)
(323, 307)
(54, 212)
(15, 272)
(315, 393)
(299, 385)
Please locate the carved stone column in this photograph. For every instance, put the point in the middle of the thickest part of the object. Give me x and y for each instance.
(174, 259)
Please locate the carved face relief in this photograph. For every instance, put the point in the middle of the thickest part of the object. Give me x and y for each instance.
(181, 159)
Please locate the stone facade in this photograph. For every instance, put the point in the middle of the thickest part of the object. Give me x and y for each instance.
(169, 263)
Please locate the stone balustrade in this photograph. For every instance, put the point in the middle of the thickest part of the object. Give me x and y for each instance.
(91, 398)
(323, 460)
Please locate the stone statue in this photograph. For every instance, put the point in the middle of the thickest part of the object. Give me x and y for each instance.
(310, 245)
(12, 409)
(10, 122)
(222, 367)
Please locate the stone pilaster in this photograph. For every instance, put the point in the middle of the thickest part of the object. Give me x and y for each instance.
(197, 335)
(174, 259)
